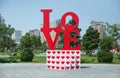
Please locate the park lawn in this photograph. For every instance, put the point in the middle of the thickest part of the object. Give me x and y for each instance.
(88, 59)
(36, 59)
(93, 60)
(84, 59)
(39, 59)
(116, 61)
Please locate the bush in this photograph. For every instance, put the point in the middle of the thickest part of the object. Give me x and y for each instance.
(8, 60)
(26, 55)
(105, 56)
(2, 50)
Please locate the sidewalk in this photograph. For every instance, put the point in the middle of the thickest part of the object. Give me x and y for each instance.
(33, 70)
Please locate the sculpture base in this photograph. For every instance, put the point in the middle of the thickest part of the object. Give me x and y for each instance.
(63, 59)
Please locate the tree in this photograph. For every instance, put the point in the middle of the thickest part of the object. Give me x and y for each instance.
(43, 47)
(26, 41)
(29, 41)
(106, 43)
(26, 44)
(90, 40)
(114, 31)
(36, 42)
(5, 37)
(72, 22)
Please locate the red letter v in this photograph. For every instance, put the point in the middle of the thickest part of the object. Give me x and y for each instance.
(46, 29)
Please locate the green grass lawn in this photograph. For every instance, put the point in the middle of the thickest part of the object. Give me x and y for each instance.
(84, 59)
(39, 59)
(88, 59)
(93, 60)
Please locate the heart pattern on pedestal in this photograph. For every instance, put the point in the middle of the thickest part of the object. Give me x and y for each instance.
(63, 59)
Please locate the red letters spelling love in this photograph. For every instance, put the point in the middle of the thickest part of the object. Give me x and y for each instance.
(62, 27)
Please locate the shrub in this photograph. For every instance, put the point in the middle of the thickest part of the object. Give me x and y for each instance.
(105, 56)
(2, 60)
(8, 60)
(2, 50)
(26, 55)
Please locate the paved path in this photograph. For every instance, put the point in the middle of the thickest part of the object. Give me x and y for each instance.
(20, 70)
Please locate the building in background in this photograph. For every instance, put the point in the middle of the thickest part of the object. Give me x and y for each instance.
(2, 20)
(17, 35)
(35, 32)
(98, 25)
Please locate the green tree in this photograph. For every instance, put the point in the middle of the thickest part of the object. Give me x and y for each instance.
(5, 37)
(90, 40)
(43, 47)
(26, 41)
(29, 41)
(36, 42)
(72, 22)
(114, 31)
(26, 46)
(106, 43)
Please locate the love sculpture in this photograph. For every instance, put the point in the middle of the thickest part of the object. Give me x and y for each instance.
(68, 57)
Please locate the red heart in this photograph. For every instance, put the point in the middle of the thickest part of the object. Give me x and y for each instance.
(62, 57)
(48, 52)
(67, 67)
(63, 52)
(58, 52)
(77, 66)
(57, 62)
(57, 67)
(58, 57)
(53, 67)
(73, 62)
(77, 57)
(53, 57)
(48, 61)
(62, 62)
(78, 52)
(67, 57)
(53, 52)
(48, 66)
(77, 61)
(73, 52)
(73, 57)
(48, 56)
(62, 68)
(68, 52)
(73, 67)
(53, 62)
(68, 62)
